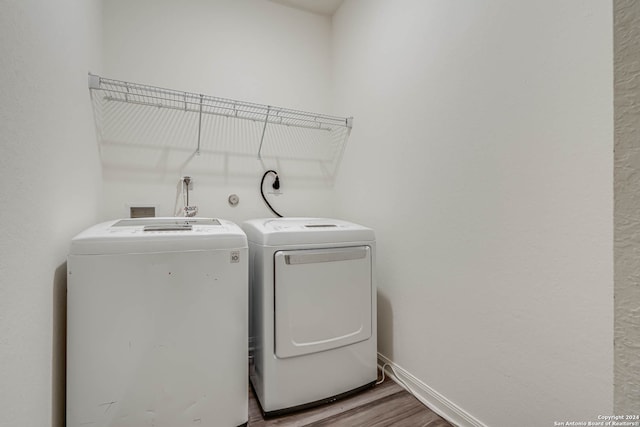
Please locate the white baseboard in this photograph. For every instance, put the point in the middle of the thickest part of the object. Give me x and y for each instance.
(428, 396)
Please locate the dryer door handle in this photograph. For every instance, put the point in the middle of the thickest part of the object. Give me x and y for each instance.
(333, 255)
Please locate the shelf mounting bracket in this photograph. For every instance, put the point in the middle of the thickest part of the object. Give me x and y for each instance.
(264, 129)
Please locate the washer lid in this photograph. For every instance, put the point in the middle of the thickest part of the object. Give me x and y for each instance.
(169, 234)
(295, 231)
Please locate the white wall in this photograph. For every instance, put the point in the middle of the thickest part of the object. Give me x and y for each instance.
(251, 50)
(482, 156)
(50, 191)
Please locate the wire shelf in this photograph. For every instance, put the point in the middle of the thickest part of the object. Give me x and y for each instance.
(139, 94)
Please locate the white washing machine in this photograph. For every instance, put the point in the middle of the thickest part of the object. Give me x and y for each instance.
(312, 311)
(157, 324)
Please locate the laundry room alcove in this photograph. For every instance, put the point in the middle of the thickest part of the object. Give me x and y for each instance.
(148, 133)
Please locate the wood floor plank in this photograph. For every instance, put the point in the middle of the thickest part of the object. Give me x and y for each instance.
(387, 404)
(400, 409)
(255, 414)
(312, 415)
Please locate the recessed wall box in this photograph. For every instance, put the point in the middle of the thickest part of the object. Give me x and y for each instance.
(142, 211)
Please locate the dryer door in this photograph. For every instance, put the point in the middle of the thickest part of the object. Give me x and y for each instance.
(322, 299)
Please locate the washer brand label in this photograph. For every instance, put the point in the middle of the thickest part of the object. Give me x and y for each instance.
(235, 256)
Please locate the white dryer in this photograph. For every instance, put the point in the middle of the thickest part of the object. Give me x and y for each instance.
(157, 324)
(312, 311)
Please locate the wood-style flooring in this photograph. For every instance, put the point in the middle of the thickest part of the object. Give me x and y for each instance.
(386, 404)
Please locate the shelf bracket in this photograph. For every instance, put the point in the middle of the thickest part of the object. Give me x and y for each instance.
(349, 122)
(264, 129)
(199, 125)
(94, 81)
